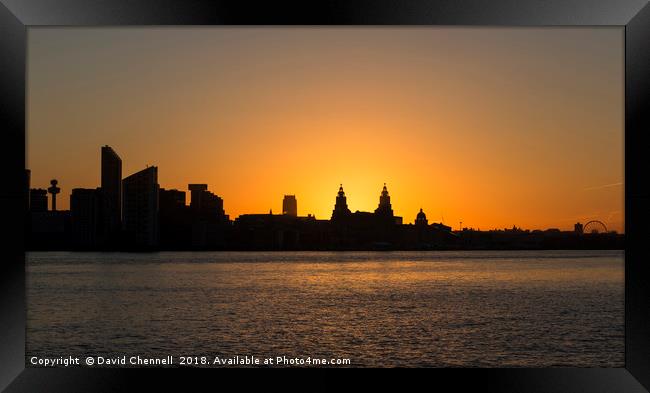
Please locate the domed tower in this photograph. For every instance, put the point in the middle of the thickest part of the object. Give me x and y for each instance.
(421, 219)
(341, 207)
(384, 207)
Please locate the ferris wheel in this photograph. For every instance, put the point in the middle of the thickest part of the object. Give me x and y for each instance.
(595, 227)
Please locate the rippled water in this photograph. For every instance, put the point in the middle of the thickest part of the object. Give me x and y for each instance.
(439, 309)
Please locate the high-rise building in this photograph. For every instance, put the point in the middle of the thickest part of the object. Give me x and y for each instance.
(140, 208)
(290, 206)
(196, 194)
(38, 200)
(85, 215)
(204, 202)
(209, 220)
(111, 187)
(384, 207)
(171, 199)
(341, 207)
(174, 220)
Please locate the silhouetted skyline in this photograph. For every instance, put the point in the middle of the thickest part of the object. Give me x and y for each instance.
(156, 218)
(115, 209)
(492, 127)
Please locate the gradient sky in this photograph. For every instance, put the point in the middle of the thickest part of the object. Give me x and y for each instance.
(493, 127)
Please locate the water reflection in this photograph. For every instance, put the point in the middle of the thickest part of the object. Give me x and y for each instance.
(498, 309)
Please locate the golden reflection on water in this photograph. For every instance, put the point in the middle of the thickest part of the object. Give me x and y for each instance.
(519, 309)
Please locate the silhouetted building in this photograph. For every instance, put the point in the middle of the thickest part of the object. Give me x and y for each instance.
(422, 236)
(45, 230)
(49, 230)
(384, 208)
(196, 195)
(53, 189)
(205, 202)
(578, 228)
(172, 199)
(209, 220)
(26, 213)
(140, 208)
(26, 186)
(175, 220)
(111, 187)
(341, 210)
(421, 219)
(290, 206)
(280, 232)
(441, 227)
(365, 230)
(136, 213)
(85, 217)
(38, 200)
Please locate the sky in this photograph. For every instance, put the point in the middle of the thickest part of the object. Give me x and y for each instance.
(491, 127)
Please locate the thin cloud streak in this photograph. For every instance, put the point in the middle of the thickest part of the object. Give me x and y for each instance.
(604, 186)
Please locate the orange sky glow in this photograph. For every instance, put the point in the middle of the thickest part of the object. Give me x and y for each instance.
(493, 127)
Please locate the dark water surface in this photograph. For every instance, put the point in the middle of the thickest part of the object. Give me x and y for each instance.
(439, 309)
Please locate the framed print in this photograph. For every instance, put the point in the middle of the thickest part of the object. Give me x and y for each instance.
(450, 186)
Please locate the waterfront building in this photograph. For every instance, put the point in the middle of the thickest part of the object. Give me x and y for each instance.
(341, 210)
(38, 200)
(140, 208)
(384, 209)
(210, 223)
(85, 217)
(578, 228)
(174, 219)
(290, 206)
(111, 188)
(421, 219)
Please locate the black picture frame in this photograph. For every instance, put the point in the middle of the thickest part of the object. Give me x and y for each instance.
(16, 16)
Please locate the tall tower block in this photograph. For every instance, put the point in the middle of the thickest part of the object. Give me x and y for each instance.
(111, 186)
